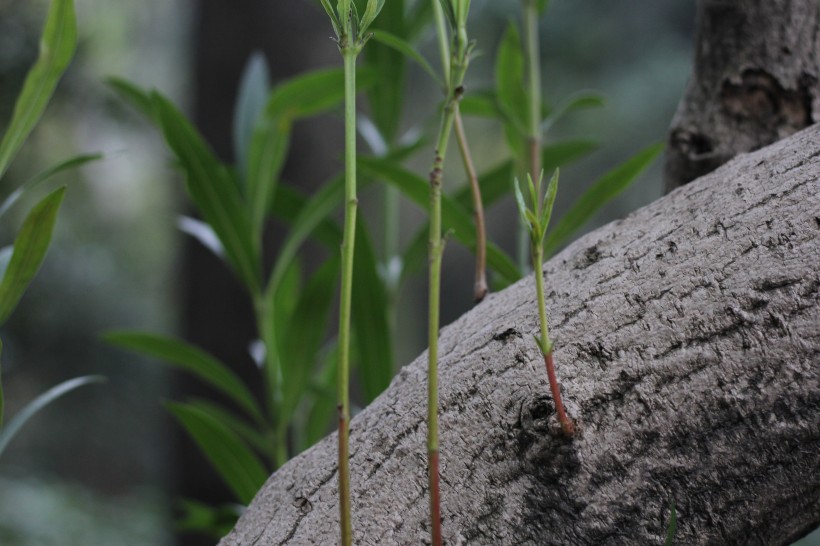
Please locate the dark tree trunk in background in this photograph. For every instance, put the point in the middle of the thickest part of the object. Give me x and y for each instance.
(216, 313)
(688, 347)
(756, 80)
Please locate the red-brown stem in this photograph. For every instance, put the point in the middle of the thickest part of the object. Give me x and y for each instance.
(480, 288)
(435, 502)
(344, 475)
(566, 424)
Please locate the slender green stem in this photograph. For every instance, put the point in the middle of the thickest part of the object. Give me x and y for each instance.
(348, 244)
(534, 61)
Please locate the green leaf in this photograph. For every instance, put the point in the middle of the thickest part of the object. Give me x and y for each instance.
(454, 216)
(334, 20)
(32, 408)
(191, 359)
(313, 213)
(509, 80)
(370, 14)
(213, 191)
(549, 201)
(304, 332)
(408, 51)
(577, 101)
(32, 183)
(386, 96)
(602, 192)
(236, 464)
(522, 206)
(57, 45)
(313, 93)
(484, 104)
(136, 96)
(213, 521)
(450, 12)
(30, 248)
(370, 318)
(417, 19)
(250, 103)
(324, 399)
(236, 424)
(288, 207)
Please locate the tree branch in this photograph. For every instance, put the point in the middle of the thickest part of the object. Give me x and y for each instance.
(688, 343)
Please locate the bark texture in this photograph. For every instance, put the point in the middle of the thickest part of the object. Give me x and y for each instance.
(756, 79)
(687, 340)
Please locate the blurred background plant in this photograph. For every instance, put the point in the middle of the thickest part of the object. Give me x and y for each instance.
(118, 259)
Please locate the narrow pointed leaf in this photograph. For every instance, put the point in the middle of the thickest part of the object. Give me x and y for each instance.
(576, 101)
(57, 45)
(30, 248)
(370, 14)
(136, 96)
(304, 333)
(236, 464)
(386, 96)
(370, 319)
(602, 192)
(673, 526)
(213, 191)
(35, 406)
(253, 94)
(192, 360)
(202, 232)
(509, 80)
(522, 206)
(234, 423)
(407, 50)
(32, 183)
(549, 201)
(484, 104)
(334, 20)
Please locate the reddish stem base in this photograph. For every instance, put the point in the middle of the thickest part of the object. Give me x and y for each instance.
(567, 426)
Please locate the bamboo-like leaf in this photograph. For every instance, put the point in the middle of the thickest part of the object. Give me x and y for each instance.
(236, 464)
(408, 51)
(57, 45)
(454, 216)
(136, 96)
(522, 206)
(253, 94)
(314, 212)
(34, 182)
(417, 19)
(30, 248)
(334, 20)
(449, 11)
(288, 206)
(370, 14)
(370, 319)
(549, 201)
(213, 191)
(484, 104)
(509, 80)
(577, 101)
(324, 399)
(602, 192)
(192, 360)
(35, 406)
(5, 258)
(202, 232)
(386, 96)
(252, 435)
(304, 332)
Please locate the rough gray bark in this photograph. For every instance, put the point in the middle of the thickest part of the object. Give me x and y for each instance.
(756, 79)
(688, 346)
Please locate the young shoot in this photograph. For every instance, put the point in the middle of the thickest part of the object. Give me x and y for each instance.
(351, 34)
(536, 220)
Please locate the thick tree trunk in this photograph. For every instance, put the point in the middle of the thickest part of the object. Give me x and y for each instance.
(688, 346)
(756, 79)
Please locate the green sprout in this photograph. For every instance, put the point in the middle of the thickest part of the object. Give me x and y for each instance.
(536, 220)
(351, 34)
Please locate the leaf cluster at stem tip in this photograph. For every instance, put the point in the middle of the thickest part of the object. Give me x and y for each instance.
(349, 26)
(538, 217)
